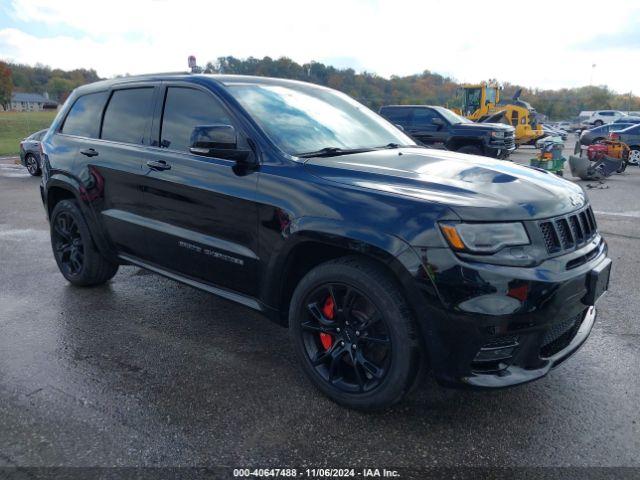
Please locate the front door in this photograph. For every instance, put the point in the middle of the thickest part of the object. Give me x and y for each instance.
(200, 212)
(424, 130)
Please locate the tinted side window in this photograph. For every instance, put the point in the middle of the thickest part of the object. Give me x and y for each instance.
(127, 115)
(84, 117)
(422, 117)
(184, 108)
(396, 115)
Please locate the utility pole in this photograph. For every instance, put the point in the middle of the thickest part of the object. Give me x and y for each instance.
(593, 67)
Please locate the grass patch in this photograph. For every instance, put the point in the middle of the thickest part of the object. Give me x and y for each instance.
(14, 126)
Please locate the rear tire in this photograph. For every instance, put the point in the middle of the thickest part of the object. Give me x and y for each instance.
(470, 150)
(369, 356)
(33, 165)
(77, 257)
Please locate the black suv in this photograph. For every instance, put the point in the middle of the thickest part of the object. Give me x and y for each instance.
(441, 128)
(382, 257)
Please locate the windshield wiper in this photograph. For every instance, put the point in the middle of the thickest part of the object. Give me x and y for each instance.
(332, 152)
(336, 151)
(397, 145)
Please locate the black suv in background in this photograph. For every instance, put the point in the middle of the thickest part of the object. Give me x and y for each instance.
(439, 127)
(292, 199)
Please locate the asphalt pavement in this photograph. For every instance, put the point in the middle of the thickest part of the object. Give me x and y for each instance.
(145, 371)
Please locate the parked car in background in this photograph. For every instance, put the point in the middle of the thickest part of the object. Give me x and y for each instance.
(566, 126)
(600, 117)
(440, 127)
(630, 136)
(597, 134)
(30, 152)
(583, 118)
(628, 119)
(554, 132)
(382, 257)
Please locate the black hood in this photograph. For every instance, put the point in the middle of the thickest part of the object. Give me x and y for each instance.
(480, 127)
(474, 187)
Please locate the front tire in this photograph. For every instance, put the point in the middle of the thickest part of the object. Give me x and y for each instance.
(354, 334)
(33, 165)
(78, 259)
(634, 156)
(470, 150)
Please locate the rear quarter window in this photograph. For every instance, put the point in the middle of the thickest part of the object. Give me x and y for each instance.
(83, 118)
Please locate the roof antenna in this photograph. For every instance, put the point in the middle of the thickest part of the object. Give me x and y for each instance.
(193, 65)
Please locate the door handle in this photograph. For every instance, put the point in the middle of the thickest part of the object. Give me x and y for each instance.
(158, 165)
(89, 152)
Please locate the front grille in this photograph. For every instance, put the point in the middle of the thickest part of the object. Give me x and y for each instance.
(559, 336)
(501, 342)
(568, 231)
(590, 255)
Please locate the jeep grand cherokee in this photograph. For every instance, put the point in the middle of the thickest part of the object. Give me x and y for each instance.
(292, 199)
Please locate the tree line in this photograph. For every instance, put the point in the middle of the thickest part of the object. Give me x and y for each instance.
(374, 91)
(15, 77)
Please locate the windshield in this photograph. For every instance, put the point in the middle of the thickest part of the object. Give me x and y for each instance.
(304, 118)
(471, 100)
(452, 117)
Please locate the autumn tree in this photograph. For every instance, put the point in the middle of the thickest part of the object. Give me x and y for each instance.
(6, 85)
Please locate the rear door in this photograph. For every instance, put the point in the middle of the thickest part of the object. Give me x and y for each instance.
(399, 116)
(110, 166)
(199, 211)
(80, 126)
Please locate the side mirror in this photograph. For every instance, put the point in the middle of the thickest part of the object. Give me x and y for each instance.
(220, 141)
(437, 121)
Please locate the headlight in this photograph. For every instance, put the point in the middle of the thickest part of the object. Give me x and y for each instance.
(484, 237)
(497, 134)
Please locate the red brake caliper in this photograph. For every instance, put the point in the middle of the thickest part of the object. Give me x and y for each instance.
(327, 311)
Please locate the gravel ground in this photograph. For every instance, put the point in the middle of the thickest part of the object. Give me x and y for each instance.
(147, 372)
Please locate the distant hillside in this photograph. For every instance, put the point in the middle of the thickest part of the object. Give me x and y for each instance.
(41, 78)
(370, 89)
(424, 88)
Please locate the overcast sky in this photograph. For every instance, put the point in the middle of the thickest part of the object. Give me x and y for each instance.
(544, 44)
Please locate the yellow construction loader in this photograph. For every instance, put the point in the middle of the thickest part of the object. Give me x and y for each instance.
(481, 103)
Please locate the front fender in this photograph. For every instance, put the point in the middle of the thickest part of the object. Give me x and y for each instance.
(399, 257)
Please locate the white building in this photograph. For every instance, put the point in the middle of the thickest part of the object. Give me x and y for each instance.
(22, 102)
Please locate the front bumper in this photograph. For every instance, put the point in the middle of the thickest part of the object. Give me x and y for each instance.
(515, 374)
(500, 151)
(533, 318)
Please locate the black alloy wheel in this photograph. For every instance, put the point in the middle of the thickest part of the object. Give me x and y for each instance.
(32, 165)
(67, 244)
(354, 333)
(77, 257)
(345, 338)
